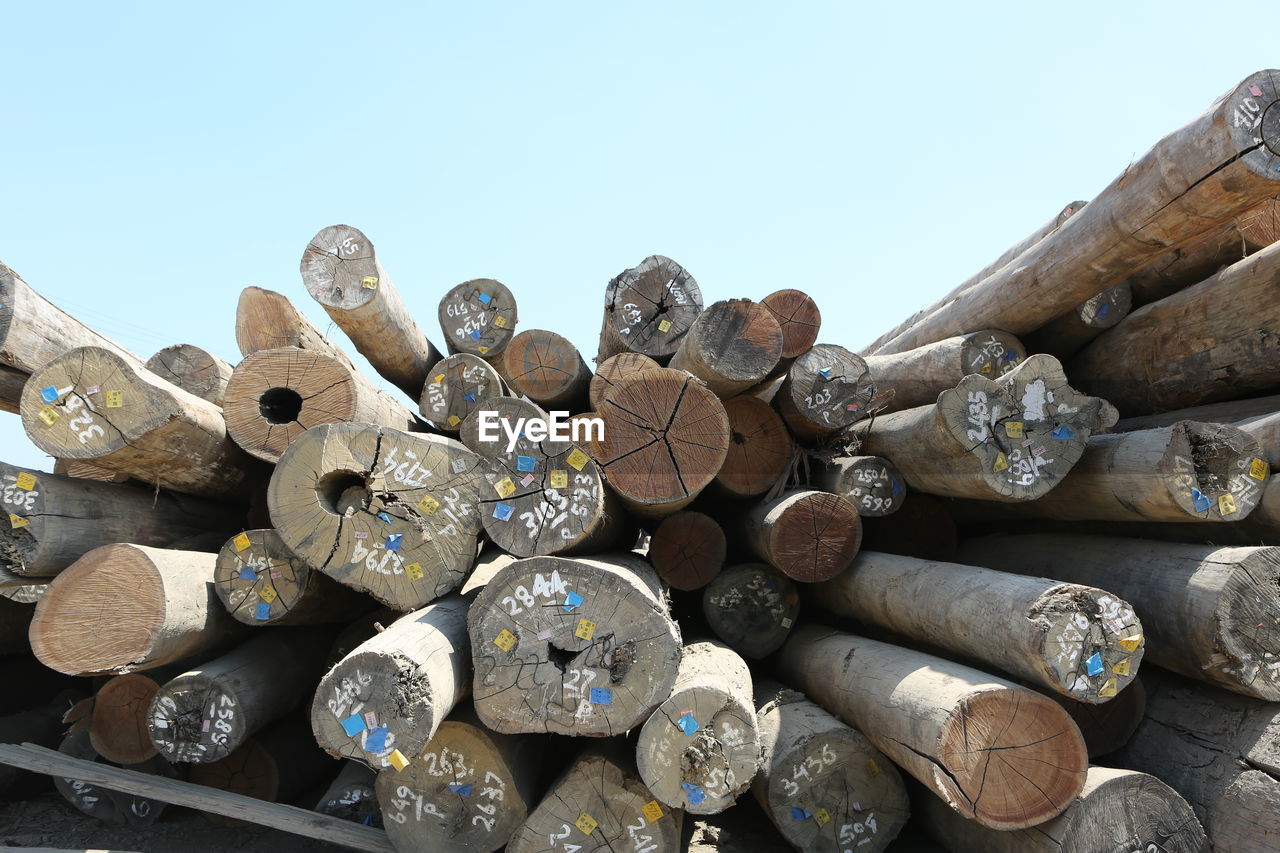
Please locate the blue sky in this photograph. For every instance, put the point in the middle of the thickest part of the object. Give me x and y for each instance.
(160, 157)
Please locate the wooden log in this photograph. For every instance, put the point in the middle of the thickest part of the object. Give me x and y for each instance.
(872, 484)
(1068, 334)
(732, 345)
(275, 395)
(469, 791)
(799, 318)
(1001, 754)
(807, 535)
(87, 471)
(687, 549)
(278, 764)
(1109, 726)
(760, 449)
(599, 804)
(572, 646)
(261, 582)
(457, 386)
(12, 382)
(192, 369)
(478, 317)
(822, 783)
(614, 369)
(1072, 639)
(917, 376)
(118, 724)
(648, 309)
(1116, 810)
(351, 796)
(825, 390)
(1208, 612)
(665, 438)
(105, 804)
(751, 607)
(1010, 439)
(382, 703)
(1234, 412)
(1202, 175)
(547, 369)
(206, 713)
(53, 519)
(92, 404)
(15, 622)
(143, 607)
(700, 749)
(1220, 751)
(341, 271)
(268, 320)
(385, 512)
(38, 722)
(922, 527)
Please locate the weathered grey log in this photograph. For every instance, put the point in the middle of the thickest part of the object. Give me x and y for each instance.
(351, 796)
(751, 607)
(648, 309)
(825, 390)
(1066, 335)
(105, 804)
(808, 535)
(687, 549)
(917, 376)
(478, 317)
(872, 484)
(548, 369)
(192, 369)
(760, 449)
(268, 320)
(1234, 412)
(457, 386)
(732, 345)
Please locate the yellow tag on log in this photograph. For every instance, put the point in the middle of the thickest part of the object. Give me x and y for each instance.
(438, 378)
(1013, 429)
(1258, 469)
(1108, 690)
(586, 823)
(414, 571)
(241, 541)
(1002, 462)
(577, 459)
(872, 767)
(115, 399)
(986, 368)
(1131, 643)
(822, 817)
(453, 420)
(500, 321)
(504, 487)
(482, 350)
(1121, 668)
(664, 325)
(651, 811)
(268, 594)
(397, 760)
(369, 282)
(428, 505)
(17, 521)
(25, 481)
(49, 416)
(505, 640)
(586, 629)
(1226, 504)
(559, 479)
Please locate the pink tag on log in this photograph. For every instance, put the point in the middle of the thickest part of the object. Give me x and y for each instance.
(1257, 93)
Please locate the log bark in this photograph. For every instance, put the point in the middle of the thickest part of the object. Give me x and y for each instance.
(1255, 415)
(1001, 754)
(732, 346)
(751, 607)
(917, 376)
(599, 804)
(144, 607)
(1109, 726)
(385, 512)
(648, 309)
(822, 783)
(572, 646)
(192, 369)
(665, 438)
(268, 320)
(614, 369)
(91, 404)
(104, 804)
(53, 519)
(922, 528)
(825, 390)
(1068, 334)
(807, 535)
(1207, 611)
(341, 271)
(1200, 176)
(208, 712)
(1214, 341)
(1011, 439)
(1116, 810)
(687, 549)
(872, 484)
(700, 749)
(87, 471)
(118, 725)
(547, 369)
(261, 582)
(760, 449)
(351, 796)
(278, 764)
(1072, 639)
(457, 386)
(382, 703)
(478, 317)
(275, 395)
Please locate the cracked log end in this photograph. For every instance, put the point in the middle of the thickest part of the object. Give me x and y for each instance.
(613, 370)
(760, 448)
(478, 317)
(733, 345)
(688, 549)
(990, 353)
(185, 724)
(548, 369)
(826, 389)
(810, 536)
(337, 266)
(1212, 471)
(118, 730)
(457, 386)
(799, 318)
(261, 582)
(649, 309)
(872, 484)
(192, 369)
(1083, 644)
(1246, 634)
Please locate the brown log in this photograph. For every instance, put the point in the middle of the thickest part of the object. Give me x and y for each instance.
(192, 369)
(751, 607)
(143, 607)
(1202, 175)
(278, 764)
(91, 404)
(87, 471)
(648, 309)
(1001, 754)
(665, 438)
(807, 535)
(457, 386)
(799, 318)
(872, 484)
(1069, 638)
(478, 317)
(917, 376)
(1066, 335)
(341, 271)
(118, 725)
(1010, 439)
(825, 390)
(687, 549)
(53, 520)
(760, 449)
(823, 784)
(1109, 726)
(351, 796)
(614, 369)
(15, 622)
(547, 369)
(275, 395)
(732, 345)
(922, 528)
(1116, 810)
(385, 512)
(105, 804)
(1207, 611)
(268, 320)
(572, 646)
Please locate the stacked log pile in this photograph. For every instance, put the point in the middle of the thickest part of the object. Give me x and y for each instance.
(523, 603)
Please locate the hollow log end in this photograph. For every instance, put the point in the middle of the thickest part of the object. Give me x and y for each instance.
(799, 318)
(340, 269)
(1213, 471)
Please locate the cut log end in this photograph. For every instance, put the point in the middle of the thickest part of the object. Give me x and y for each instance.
(548, 369)
(760, 449)
(751, 608)
(688, 549)
(1213, 471)
(249, 770)
(457, 386)
(1092, 642)
(1246, 632)
(340, 269)
(810, 536)
(1107, 308)
(118, 729)
(195, 719)
(733, 345)
(613, 370)
(261, 582)
(825, 390)
(478, 317)
(397, 698)
(192, 369)
(799, 318)
(1150, 814)
(991, 353)
(649, 309)
(872, 484)
(1253, 113)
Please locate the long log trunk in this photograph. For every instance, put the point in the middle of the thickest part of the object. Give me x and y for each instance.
(478, 317)
(807, 535)
(1011, 439)
(1001, 754)
(648, 309)
(760, 449)
(268, 320)
(923, 527)
(341, 271)
(547, 369)
(687, 549)
(104, 804)
(872, 484)
(823, 784)
(1109, 726)
(351, 796)
(613, 370)
(572, 646)
(917, 376)
(457, 386)
(192, 369)
(91, 404)
(1068, 334)
(1208, 612)
(143, 608)
(1071, 639)
(385, 512)
(825, 390)
(732, 346)
(1234, 412)
(751, 607)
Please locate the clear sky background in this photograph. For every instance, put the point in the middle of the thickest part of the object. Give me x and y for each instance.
(157, 158)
